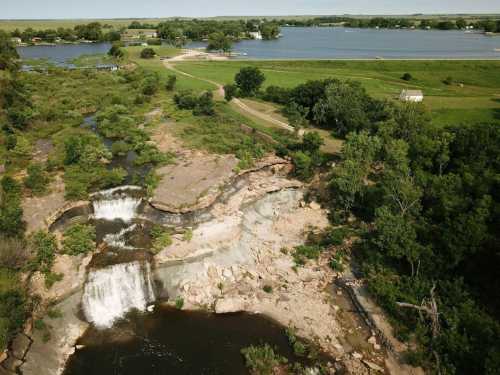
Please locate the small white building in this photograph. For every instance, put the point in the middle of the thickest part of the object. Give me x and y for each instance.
(16, 40)
(256, 35)
(411, 96)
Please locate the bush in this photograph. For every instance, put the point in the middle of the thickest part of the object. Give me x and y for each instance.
(303, 165)
(202, 105)
(303, 253)
(262, 360)
(267, 289)
(179, 303)
(161, 238)
(205, 104)
(37, 179)
(171, 81)
(448, 80)
(115, 51)
(407, 77)
(150, 85)
(13, 312)
(148, 53)
(185, 100)
(120, 148)
(277, 95)
(79, 239)
(43, 245)
(230, 92)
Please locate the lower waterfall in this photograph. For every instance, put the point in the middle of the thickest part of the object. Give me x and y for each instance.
(113, 291)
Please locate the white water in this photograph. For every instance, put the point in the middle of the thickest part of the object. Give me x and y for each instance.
(113, 291)
(114, 205)
(118, 239)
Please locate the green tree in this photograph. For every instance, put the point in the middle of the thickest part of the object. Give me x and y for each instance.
(230, 91)
(8, 53)
(115, 51)
(249, 80)
(219, 42)
(148, 53)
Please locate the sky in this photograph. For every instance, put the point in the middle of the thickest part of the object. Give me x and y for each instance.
(49, 9)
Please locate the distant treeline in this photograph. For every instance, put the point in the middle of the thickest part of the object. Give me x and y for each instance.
(489, 25)
(93, 31)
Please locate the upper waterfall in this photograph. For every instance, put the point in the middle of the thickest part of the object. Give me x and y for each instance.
(111, 292)
(116, 204)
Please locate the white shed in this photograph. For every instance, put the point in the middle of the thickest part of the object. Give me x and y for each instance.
(411, 96)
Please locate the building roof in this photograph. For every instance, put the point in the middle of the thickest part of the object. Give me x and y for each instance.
(412, 93)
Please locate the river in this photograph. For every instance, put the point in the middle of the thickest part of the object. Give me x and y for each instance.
(326, 43)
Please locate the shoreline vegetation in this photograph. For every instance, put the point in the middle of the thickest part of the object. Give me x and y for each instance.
(220, 33)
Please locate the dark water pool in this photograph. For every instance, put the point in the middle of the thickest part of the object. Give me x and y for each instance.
(170, 341)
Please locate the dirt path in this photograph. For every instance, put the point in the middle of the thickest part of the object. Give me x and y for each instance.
(236, 101)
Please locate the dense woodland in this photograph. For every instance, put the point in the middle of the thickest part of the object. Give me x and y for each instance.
(424, 203)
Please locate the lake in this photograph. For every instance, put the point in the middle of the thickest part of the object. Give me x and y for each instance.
(327, 43)
(62, 53)
(348, 43)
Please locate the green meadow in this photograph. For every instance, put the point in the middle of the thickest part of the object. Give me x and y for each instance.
(473, 95)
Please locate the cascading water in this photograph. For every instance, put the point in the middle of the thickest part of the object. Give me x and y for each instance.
(111, 292)
(116, 204)
(118, 240)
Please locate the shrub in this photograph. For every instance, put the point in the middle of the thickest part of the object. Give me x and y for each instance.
(148, 53)
(79, 239)
(179, 303)
(120, 148)
(161, 238)
(448, 80)
(230, 92)
(43, 245)
(185, 100)
(267, 289)
(262, 360)
(303, 165)
(115, 51)
(407, 77)
(205, 104)
(37, 179)
(13, 312)
(299, 348)
(303, 253)
(171, 81)
(150, 85)
(277, 95)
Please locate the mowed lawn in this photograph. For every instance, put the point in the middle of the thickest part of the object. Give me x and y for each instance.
(473, 97)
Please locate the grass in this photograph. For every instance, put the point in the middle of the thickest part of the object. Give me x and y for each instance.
(156, 65)
(477, 101)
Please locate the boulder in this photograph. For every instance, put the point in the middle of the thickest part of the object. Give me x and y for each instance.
(20, 346)
(314, 206)
(229, 305)
(373, 366)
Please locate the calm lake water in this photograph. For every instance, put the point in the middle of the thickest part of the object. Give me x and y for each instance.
(325, 43)
(61, 54)
(176, 342)
(339, 42)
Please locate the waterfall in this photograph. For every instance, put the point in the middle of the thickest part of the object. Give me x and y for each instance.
(116, 204)
(118, 239)
(111, 292)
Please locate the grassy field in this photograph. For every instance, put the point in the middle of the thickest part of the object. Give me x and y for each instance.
(474, 95)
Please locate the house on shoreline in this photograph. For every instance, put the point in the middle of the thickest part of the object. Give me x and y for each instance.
(415, 96)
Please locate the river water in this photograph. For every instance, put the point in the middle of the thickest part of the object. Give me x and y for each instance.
(326, 43)
(169, 341)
